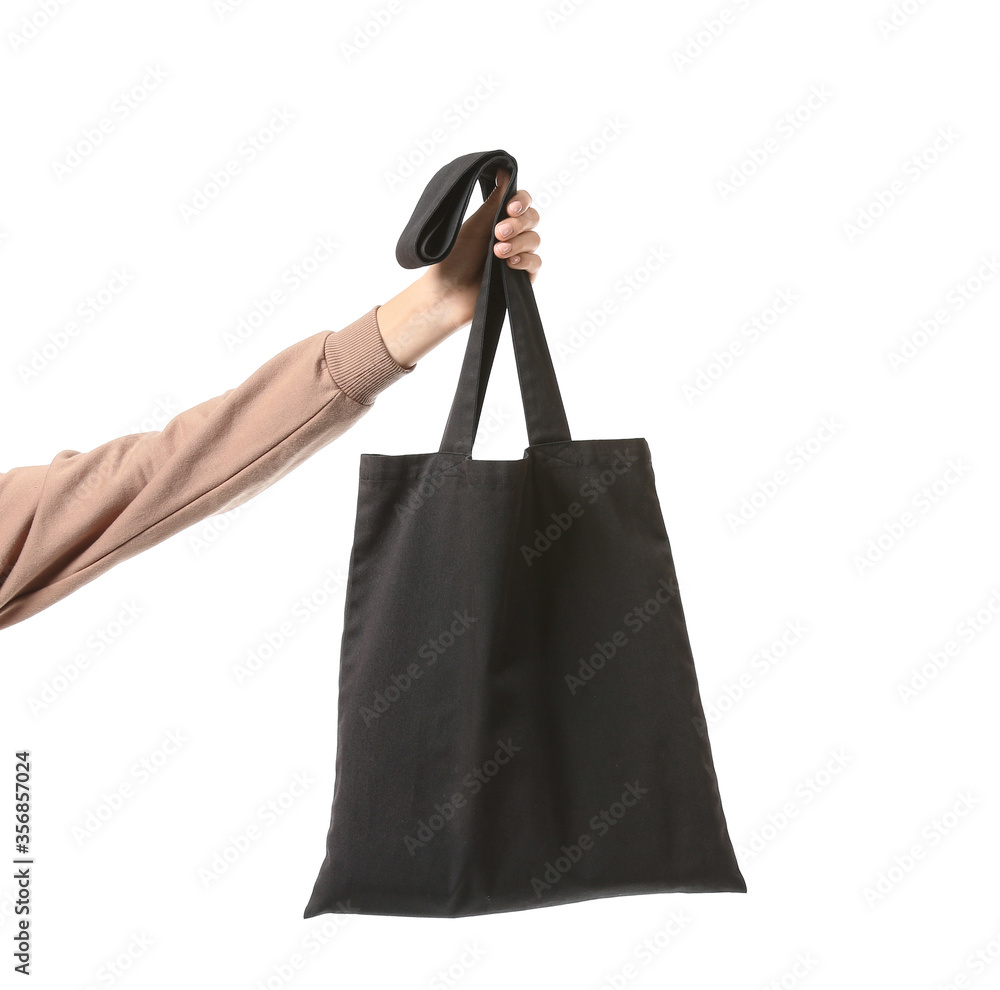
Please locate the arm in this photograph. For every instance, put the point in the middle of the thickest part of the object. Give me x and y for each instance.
(64, 523)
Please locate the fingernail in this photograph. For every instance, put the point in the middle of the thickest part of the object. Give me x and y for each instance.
(515, 207)
(515, 259)
(505, 249)
(504, 229)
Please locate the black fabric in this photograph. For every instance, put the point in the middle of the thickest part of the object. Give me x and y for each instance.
(519, 723)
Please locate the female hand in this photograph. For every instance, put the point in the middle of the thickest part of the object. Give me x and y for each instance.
(461, 273)
(444, 297)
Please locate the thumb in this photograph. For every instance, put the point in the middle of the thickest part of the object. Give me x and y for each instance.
(503, 178)
(483, 216)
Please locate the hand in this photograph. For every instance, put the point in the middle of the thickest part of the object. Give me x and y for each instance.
(444, 298)
(460, 274)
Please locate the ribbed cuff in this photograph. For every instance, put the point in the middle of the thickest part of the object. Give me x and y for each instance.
(358, 361)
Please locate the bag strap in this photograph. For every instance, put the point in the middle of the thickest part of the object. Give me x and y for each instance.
(428, 237)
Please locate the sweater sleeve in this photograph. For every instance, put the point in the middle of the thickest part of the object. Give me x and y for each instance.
(64, 523)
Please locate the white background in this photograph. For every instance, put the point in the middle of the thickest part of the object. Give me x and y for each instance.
(829, 775)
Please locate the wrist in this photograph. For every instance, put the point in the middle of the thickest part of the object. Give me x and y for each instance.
(417, 319)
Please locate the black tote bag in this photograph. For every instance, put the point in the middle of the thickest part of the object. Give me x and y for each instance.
(519, 718)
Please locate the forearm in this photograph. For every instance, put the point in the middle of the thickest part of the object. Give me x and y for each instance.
(64, 523)
(421, 316)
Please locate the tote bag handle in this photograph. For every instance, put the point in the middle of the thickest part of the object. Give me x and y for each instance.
(428, 237)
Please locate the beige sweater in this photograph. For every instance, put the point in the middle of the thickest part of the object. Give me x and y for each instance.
(64, 523)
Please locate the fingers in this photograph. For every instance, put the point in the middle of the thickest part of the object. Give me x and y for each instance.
(527, 261)
(518, 244)
(519, 203)
(511, 227)
(517, 241)
(521, 216)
